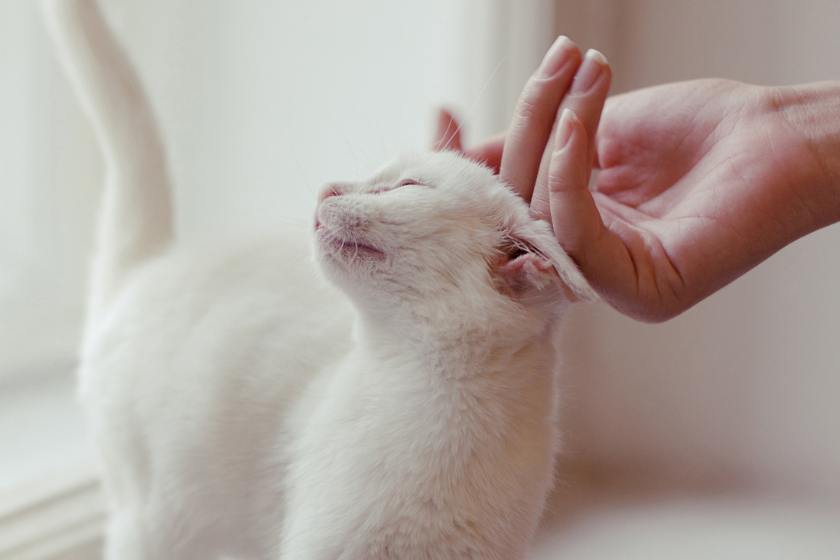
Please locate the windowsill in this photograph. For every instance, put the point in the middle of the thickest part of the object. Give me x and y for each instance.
(42, 430)
(50, 507)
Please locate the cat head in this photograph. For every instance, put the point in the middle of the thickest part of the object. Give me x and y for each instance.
(439, 233)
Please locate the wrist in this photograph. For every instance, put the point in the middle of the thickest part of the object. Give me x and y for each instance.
(811, 113)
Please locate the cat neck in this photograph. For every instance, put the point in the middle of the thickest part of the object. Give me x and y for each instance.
(455, 349)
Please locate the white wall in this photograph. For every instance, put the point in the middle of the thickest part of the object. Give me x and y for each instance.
(744, 389)
(264, 101)
(41, 267)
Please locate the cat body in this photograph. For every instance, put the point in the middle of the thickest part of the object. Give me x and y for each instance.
(188, 381)
(381, 386)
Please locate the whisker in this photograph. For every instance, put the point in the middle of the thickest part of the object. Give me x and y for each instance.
(478, 97)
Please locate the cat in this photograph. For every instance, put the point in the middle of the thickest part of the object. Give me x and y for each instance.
(380, 386)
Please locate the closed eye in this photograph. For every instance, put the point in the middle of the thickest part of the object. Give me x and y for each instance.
(406, 182)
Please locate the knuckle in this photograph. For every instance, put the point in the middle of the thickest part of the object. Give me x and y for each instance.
(536, 102)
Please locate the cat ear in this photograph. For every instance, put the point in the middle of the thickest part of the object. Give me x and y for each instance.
(534, 260)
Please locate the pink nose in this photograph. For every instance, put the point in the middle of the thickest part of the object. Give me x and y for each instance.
(328, 190)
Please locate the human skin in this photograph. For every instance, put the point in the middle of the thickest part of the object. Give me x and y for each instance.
(697, 181)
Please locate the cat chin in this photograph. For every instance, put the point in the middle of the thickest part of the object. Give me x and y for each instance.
(346, 251)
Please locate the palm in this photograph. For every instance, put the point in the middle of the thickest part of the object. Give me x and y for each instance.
(686, 183)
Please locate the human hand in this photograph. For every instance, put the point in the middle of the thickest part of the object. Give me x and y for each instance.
(699, 182)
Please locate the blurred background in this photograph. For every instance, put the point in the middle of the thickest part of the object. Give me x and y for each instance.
(714, 435)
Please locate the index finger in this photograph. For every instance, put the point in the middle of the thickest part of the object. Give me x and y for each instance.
(534, 117)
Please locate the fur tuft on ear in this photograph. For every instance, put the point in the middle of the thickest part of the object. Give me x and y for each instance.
(534, 260)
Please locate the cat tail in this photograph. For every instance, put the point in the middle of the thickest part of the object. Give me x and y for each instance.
(135, 217)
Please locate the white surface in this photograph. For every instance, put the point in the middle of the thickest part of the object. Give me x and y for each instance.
(40, 267)
(694, 529)
(41, 431)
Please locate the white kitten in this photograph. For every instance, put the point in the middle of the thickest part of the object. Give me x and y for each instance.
(245, 408)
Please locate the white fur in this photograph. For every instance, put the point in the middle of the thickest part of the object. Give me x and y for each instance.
(246, 408)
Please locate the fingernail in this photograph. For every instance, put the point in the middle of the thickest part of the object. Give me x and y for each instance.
(590, 70)
(564, 130)
(556, 57)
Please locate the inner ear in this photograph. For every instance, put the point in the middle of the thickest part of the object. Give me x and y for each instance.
(528, 270)
(538, 264)
(513, 248)
(524, 266)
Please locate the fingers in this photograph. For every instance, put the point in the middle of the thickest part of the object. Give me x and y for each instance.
(535, 113)
(574, 215)
(448, 133)
(585, 99)
(603, 254)
(588, 94)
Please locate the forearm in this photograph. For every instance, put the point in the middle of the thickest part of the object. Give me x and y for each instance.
(812, 111)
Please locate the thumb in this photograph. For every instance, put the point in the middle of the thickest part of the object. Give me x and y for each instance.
(615, 260)
(569, 206)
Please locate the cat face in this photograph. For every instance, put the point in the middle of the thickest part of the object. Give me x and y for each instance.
(438, 226)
